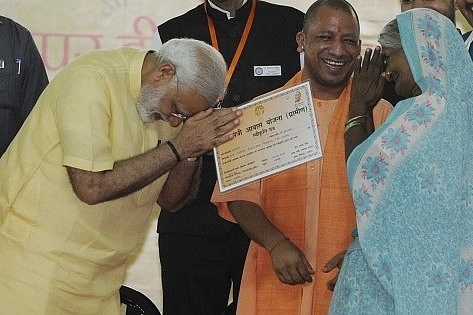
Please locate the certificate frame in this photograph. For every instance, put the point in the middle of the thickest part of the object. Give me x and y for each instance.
(277, 131)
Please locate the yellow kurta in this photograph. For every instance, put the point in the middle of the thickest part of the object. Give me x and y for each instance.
(312, 206)
(58, 254)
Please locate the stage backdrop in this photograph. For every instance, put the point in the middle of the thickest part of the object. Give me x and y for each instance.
(63, 29)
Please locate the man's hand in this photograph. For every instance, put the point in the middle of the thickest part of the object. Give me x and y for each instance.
(206, 130)
(368, 83)
(290, 264)
(335, 262)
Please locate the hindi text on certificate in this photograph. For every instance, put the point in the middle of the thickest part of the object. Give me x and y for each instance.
(276, 132)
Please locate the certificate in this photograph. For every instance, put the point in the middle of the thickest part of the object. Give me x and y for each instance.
(277, 131)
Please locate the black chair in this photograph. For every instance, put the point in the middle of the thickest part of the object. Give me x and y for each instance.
(136, 302)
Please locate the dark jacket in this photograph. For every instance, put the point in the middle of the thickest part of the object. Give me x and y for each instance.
(272, 41)
(22, 78)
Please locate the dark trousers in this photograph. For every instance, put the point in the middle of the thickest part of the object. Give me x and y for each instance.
(198, 270)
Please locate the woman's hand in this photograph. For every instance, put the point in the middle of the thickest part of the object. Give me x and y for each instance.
(368, 83)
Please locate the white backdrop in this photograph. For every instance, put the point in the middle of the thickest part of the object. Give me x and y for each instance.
(63, 29)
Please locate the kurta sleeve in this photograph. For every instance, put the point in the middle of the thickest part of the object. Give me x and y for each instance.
(381, 112)
(83, 121)
(250, 192)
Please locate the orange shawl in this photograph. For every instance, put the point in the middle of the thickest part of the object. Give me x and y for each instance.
(285, 198)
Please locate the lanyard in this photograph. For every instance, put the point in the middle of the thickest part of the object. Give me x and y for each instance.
(244, 37)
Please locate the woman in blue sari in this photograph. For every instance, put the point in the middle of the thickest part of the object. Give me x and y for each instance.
(412, 180)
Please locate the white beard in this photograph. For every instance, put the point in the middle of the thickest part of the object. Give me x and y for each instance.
(148, 105)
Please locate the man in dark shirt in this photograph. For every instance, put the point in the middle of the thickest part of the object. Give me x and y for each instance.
(22, 78)
(201, 254)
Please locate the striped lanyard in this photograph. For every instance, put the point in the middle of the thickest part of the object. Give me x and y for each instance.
(241, 45)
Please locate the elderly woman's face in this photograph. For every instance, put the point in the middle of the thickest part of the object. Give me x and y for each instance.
(398, 70)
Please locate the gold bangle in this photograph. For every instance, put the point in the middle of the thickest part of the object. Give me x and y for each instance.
(356, 118)
(353, 124)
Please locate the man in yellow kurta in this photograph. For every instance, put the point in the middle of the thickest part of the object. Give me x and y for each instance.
(82, 176)
(302, 217)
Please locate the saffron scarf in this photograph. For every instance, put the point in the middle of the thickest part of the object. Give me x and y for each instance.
(319, 235)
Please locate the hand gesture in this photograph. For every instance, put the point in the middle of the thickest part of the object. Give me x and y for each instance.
(368, 83)
(290, 264)
(335, 262)
(206, 130)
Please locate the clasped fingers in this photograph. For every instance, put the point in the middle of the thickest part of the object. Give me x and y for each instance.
(221, 122)
(209, 129)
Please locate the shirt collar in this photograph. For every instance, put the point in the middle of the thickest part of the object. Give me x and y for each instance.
(224, 11)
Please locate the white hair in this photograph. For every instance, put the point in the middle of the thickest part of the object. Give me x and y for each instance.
(389, 36)
(198, 66)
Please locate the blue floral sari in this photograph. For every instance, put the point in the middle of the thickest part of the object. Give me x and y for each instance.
(412, 184)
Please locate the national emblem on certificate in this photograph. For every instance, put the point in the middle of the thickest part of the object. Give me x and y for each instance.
(277, 131)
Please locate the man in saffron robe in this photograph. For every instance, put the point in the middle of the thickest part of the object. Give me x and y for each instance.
(300, 218)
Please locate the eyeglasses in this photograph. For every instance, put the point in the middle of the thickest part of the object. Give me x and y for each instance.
(178, 115)
(217, 105)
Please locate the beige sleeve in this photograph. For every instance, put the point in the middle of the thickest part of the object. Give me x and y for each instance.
(381, 112)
